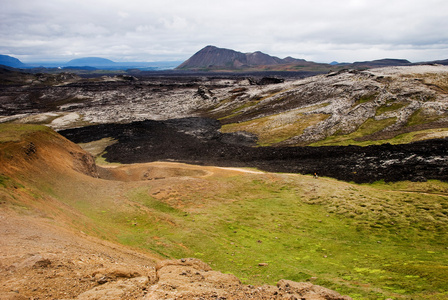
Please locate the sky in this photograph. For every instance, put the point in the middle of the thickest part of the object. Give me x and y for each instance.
(173, 30)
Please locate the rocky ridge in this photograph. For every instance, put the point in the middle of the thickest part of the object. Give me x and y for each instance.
(394, 100)
(347, 100)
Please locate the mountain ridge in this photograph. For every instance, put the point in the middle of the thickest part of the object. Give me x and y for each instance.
(212, 58)
(91, 62)
(10, 61)
(215, 58)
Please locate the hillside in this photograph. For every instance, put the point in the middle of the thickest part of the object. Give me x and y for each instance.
(10, 61)
(69, 216)
(50, 199)
(387, 105)
(45, 210)
(212, 58)
(91, 62)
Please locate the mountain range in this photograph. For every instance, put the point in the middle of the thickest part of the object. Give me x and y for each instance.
(10, 61)
(89, 63)
(212, 58)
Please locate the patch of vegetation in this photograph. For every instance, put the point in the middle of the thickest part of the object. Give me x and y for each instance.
(366, 98)
(388, 108)
(279, 127)
(4, 181)
(369, 241)
(419, 117)
(274, 129)
(14, 132)
(369, 127)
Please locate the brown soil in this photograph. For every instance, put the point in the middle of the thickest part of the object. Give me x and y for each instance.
(40, 260)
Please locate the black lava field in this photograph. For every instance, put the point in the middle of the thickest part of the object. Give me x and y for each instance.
(198, 141)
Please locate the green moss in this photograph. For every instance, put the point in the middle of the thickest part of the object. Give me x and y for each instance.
(419, 117)
(369, 127)
(366, 98)
(388, 108)
(385, 240)
(273, 129)
(343, 234)
(14, 132)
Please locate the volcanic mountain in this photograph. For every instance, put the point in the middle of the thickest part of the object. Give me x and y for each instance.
(212, 57)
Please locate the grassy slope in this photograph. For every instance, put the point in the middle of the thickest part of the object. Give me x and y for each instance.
(368, 241)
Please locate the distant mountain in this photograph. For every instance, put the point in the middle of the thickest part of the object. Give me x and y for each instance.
(387, 62)
(212, 57)
(91, 62)
(440, 62)
(10, 61)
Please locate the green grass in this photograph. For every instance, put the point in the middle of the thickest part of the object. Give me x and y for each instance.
(366, 98)
(277, 128)
(369, 241)
(419, 117)
(14, 132)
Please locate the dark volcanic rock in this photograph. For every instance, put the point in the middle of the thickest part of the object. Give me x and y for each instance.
(198, 141)
(266, 80)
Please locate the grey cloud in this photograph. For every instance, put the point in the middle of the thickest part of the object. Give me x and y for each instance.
(322, 30)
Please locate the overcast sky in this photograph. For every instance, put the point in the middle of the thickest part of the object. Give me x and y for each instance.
(147, 30)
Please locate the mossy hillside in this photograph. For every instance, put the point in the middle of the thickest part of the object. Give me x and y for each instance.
(369, 241)
(369, 127)
(17, 132)
(279, 127)
(421, 117)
